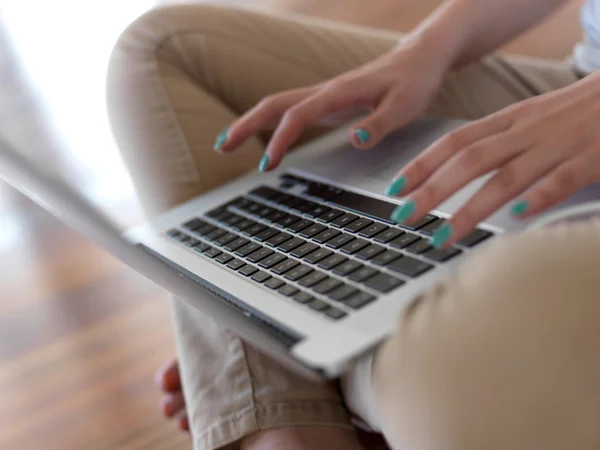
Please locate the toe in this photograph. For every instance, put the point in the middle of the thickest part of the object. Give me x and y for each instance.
(167, 377)
(171, 404)
(184, 424)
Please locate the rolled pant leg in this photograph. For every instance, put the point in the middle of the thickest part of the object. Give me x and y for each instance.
(504, 355)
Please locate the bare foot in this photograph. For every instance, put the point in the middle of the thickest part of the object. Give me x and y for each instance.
(172, 404)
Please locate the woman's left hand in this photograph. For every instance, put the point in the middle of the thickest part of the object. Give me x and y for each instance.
(544, 149)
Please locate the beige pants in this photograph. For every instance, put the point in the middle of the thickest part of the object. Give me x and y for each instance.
(506, 355)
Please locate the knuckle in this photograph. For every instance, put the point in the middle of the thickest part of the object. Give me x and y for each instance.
(565, 179)
(418, 170)
(456, 140)
(505, 179)
(429, 194)
(268, 103)
(294, 115)
(471, 159)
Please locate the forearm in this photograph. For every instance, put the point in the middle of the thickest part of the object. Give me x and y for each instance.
(461, 31)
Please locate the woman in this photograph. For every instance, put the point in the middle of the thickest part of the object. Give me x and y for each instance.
(502, 355)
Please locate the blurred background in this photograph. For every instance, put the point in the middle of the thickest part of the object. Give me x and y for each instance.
(80, 334)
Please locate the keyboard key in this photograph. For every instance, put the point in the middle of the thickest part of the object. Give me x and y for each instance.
(207, 229)
(418, 247)
(298, 272)
(370, 252)
(327, 285)
(334, 313)
(288, 290)
(430, 220)
(359, 300)
(288, 220)
(267, 234)
(220, 210)
(284, 266)
(317, 256)
(215, 234)
(410, 266)
(261, 276)
(358, 225)
(212, 252)
(278, 239)
(304, 250)
(191, 242)
(225, 239)
(430, 228)
(347, 267)
(201, 247)
(222, 217)
(344, 220)
(234, 245)
(330, 216)
(314, 188)
(264, 192)
(301, 225)
(328, 193)
(247, 249)
(223, 258)
(325, 235)
(312, 278)
(312, 230)
(264, 212)
(363, 274)
(442, 255)
(317, 211)
(303, 297)
(274, 283)
(248, 271)
(174, 233)
(194, 224)
(259, 255)
(354, 246)
(404, 241)
(383, 259)
(318, 305)
(305, 206)
(231, 221)
(368, 206)
(236, 264)
(282, 198)
(388, 235)
(254, 229)
(290, 245)
(275, 216)
(270, 261)
(342, 293)
(252, 207)
(475, 238)
(243, 224)
(373, 229)
(340, 241)
(383, 283)
(332, 261)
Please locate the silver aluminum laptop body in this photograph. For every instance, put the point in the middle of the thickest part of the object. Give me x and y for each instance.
(300, 338)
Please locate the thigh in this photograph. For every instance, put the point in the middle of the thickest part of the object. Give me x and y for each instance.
(505, 354)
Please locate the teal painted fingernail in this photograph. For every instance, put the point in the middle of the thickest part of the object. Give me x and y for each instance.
(396, 187)
(520, 208)
(362, 135)
(402, 213)
(441, 235)
(221, 139)
(264, 163)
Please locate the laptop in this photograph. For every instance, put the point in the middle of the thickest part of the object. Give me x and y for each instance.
(303, 262)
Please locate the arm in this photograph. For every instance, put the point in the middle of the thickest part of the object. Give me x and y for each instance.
(461, 31)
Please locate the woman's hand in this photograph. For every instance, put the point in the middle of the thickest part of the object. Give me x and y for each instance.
(547, 147)
(396, 87)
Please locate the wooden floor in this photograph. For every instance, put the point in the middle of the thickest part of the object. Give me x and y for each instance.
(80, 334)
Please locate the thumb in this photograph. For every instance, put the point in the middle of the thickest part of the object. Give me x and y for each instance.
(371, 130)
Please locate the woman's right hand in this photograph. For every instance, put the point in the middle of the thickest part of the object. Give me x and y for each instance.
(396, 88)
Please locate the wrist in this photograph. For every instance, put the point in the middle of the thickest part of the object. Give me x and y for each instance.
(440, 58)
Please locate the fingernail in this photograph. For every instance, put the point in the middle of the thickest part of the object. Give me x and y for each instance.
(362, 135)
(402, 213)
(396, 187)
(221, 139)
(520, 208)
(441, 235)
(264, 163)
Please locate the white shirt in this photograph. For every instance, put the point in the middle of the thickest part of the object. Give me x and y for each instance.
(587, 53)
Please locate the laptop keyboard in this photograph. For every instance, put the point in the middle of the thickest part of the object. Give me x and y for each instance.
(331, 250)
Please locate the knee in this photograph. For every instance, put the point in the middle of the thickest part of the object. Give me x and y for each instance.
(504, 354)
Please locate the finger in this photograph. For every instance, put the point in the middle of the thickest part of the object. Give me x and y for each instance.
(510, 181)
(265, 115)
(299, 117)
(172, 404)
(463, 167)
(422, 167)
(184, 424)
(561, 183)
(371, 130)
(167, 377)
